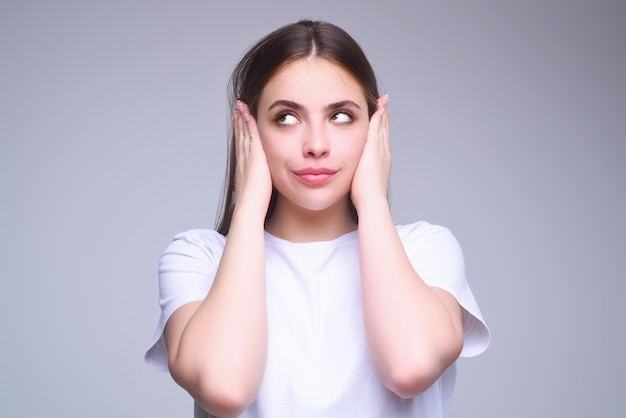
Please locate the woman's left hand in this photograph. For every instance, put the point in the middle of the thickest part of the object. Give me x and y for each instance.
(372, 175)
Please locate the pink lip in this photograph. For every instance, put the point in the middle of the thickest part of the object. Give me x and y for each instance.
(315, 175)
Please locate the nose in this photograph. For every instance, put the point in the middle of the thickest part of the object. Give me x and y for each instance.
(316, 143)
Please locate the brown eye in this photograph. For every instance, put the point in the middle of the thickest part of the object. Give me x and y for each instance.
(341, 117)
(286, 119)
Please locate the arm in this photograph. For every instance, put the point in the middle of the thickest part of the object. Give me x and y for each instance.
(414, 331)
(217, 347)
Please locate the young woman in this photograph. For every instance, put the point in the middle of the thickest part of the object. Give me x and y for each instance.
(308, 301)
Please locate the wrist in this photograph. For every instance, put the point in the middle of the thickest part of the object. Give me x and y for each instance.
(250, 216)
(372, 208)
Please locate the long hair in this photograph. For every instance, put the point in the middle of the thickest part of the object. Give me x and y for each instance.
(303, 39)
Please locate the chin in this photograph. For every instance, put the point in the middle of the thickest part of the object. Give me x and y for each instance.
(315, 200)
(319, 206)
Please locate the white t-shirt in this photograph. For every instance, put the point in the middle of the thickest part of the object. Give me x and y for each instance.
(317, 363)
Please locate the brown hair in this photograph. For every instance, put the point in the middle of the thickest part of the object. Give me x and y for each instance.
(305, 38)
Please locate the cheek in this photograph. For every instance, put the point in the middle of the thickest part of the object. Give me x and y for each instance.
(355, 145)
(263, 133)
(268, 141)
(277, 148)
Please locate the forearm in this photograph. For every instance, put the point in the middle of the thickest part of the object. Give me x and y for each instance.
(412, 334)
(222, 351)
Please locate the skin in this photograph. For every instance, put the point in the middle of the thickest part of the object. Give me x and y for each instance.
(311, 114)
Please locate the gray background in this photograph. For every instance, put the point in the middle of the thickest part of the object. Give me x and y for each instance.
(508, 127)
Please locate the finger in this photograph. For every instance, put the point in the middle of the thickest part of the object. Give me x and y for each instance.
(387, 120)
(236, 119)
(236, 131)
(383, 128)
(250, 123)
(253, 139)
(386, 109)
(376, 120)
(242, 111)
(248, 128)
(243, 108)
(239, 132)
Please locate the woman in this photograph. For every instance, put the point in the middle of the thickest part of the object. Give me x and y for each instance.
(307, 300)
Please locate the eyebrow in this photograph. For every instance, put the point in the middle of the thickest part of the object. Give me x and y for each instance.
(297, 106)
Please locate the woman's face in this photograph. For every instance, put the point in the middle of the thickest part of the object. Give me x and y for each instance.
(313, 122)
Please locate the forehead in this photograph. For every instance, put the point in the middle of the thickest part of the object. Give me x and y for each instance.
(312, 81)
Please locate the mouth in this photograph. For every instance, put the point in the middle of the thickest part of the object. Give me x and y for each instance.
(315, 175)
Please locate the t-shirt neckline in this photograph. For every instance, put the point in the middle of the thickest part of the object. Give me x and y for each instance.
(348, 236)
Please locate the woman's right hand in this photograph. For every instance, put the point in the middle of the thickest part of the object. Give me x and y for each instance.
(253, 182)
(216, 350)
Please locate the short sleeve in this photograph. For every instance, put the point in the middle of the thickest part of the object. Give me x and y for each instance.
(438, 259)
(186, 272)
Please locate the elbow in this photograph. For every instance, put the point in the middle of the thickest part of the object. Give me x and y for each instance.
(408, 379)
(217, 396)
(222, 402)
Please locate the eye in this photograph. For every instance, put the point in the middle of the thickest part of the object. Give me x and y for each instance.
(286, 119)
(341, 117)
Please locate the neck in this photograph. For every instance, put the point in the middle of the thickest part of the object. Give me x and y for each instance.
(296, 224)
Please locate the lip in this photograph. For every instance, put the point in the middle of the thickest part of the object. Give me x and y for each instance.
(315, 175)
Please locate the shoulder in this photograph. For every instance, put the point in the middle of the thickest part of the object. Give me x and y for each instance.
(205, 237)
(198, 244)
(425, 234)
(433, 251)
(188, 266)
(418, 227)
